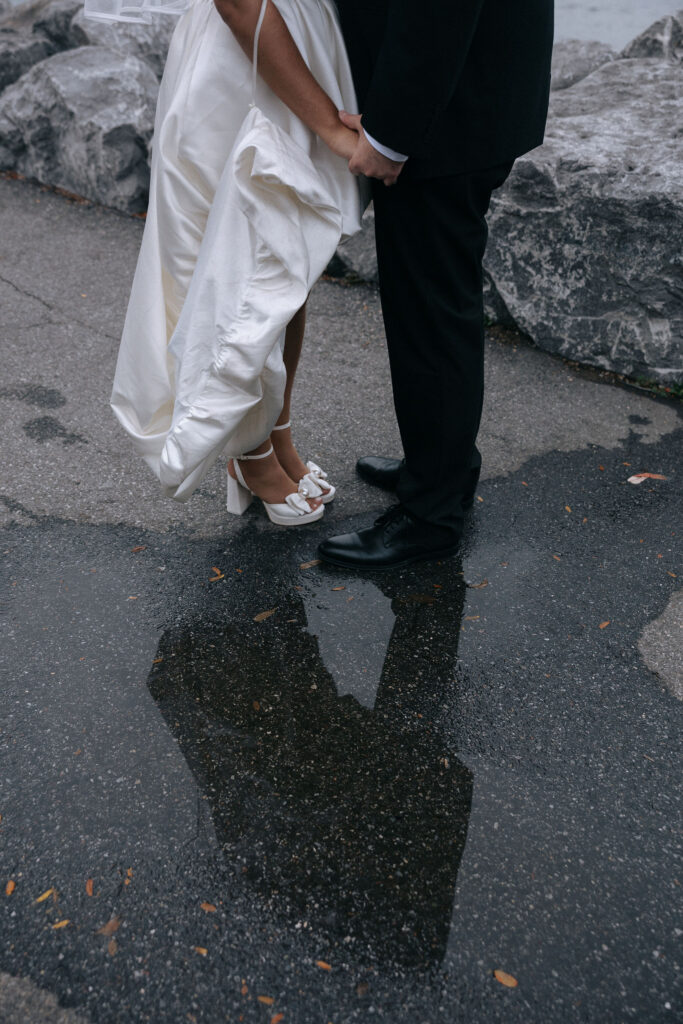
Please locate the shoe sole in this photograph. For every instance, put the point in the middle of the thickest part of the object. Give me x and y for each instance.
(431, 556)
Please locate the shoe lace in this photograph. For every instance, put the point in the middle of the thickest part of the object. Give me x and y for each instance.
(391, 518)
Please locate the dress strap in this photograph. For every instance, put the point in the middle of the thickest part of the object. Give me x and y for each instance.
(254, 62)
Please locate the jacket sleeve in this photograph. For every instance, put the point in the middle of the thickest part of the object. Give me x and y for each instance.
(421, 57)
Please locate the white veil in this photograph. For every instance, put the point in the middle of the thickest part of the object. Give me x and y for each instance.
(133, 10)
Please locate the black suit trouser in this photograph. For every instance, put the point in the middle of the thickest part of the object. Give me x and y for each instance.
(431, 236)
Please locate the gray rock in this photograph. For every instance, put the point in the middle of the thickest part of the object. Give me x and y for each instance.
(54, 19)
(19, 51)
(664, 39)
(146, 42)
(661, 645)
(586, 238)
(574, 59)
(358, 254)
(83, 120)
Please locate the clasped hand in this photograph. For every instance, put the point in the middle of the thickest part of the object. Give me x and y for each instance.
(364, 158)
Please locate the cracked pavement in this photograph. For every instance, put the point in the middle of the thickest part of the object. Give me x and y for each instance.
(364, 803)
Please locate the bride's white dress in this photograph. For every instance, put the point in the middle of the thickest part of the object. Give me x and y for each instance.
(246, 208)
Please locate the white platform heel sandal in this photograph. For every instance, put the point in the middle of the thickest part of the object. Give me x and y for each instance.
(293, 511)
(315, 481)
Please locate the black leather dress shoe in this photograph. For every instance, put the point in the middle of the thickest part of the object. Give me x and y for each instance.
(395, 540)
(384, 473)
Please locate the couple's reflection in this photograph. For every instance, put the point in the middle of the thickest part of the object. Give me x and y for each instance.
(310, 735)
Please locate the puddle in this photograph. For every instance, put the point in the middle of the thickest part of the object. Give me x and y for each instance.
(310, 737)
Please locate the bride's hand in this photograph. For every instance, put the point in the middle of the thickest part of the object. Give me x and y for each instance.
(341, 140)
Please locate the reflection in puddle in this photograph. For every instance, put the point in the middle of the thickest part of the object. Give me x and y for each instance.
(360, 616)
(330, 792)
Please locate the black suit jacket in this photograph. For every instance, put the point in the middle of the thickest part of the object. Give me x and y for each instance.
(458, 85)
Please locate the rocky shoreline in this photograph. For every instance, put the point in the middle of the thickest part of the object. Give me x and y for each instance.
(586, 237)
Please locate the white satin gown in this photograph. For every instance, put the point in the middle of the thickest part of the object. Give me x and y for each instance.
(246, 208)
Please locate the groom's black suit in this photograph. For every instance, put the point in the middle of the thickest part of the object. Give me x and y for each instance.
(461, 86)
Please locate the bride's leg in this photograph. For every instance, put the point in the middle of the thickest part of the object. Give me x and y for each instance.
(266, 477)
(287, 454)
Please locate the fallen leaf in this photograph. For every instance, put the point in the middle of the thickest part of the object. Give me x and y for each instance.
(202, 950)
(140, 547)
(256, 706)
(323, 966)
(638, 478)
(110, 927)
(218, 575)
(471, 618)
(479, 497)
(601, 468)
(277, 1018)
(362, 988)
(557, 558)
(210, 908)
(45, 895)
(309, 565)
(89, 886)
(244, 989)
(10, 887)
(339, 588)
(670, 573)
(61, 924)
(524, 483)
(112, 947)
(505, 979)
(604, 624)
(478, 586)
(132, 598)
(567, 508)
(264, 615)
(266, 1000)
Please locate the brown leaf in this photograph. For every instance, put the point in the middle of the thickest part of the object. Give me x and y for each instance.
(262, 616)
(256, 706)
(202, 950)
(505, 979)
(478, 586)
(140, 547)
(218, 574)
(309, 565)
(557, 558)
(323, 965)
(266, 1000)
(277, 1018)
(112, 947)
(638, 478)
(45, 895)
(208, 907)
(110, 927)
(61, 924)
(603, 625)
(339, 588)
(567, 508)
(10, 887)
(472, 618)
(244, 989)
(89, 886)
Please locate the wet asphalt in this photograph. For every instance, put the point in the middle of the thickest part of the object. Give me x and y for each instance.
(257, 789)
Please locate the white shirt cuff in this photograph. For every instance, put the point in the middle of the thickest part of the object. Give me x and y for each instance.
(390, 154)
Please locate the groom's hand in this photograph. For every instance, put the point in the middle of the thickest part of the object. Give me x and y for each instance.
(366, 159)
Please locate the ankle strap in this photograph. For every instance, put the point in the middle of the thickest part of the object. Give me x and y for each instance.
(252, 458)
(283, 426)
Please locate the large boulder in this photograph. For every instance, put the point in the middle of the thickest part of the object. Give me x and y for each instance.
(574, 59)
(586, 237)
(19, 51)
(31, 32)
(83, 120)
(146, 42)
(664, 39)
